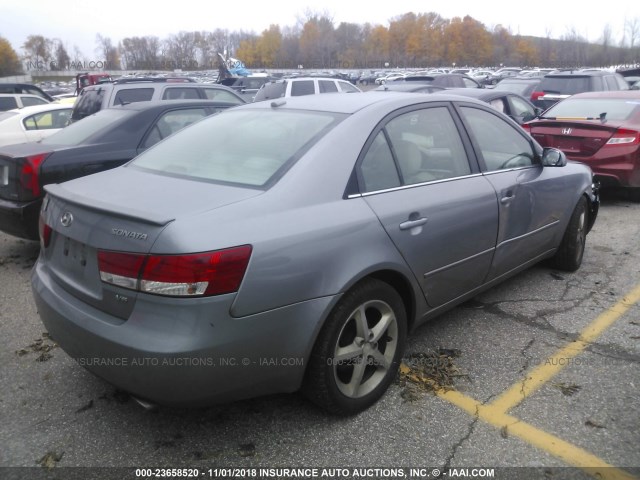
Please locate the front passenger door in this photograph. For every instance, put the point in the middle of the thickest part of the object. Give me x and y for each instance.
(531, 199)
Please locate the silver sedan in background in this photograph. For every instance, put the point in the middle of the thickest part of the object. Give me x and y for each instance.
(294, 244)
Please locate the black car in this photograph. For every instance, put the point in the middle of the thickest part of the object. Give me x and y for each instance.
(102, 141)
(513, 105)
(524, 86)
(558, 86)
(25, 88)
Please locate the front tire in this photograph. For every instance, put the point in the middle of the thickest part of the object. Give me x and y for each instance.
(358, 351)
(571, 250)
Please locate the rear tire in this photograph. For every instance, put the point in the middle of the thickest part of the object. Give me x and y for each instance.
(571, 250)
(358, 350)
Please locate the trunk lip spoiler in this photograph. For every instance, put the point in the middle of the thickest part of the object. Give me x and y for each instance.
(65, 194)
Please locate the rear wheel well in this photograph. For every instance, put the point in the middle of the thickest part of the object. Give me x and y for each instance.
(401, 285)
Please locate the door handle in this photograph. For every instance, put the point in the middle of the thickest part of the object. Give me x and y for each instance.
(409, 224)
(507, 196)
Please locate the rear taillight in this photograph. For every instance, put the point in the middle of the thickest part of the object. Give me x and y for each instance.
(624, 137)
(527, 128)
(45, 233)
(29, 174)
(198, 274)
(536, 95)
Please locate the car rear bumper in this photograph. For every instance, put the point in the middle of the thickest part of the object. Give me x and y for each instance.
(20, 218)
(184, 352)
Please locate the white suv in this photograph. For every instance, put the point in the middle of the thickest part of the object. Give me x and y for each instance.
(295, 87)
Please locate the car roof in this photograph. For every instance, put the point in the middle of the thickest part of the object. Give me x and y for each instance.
(166, 104)
(351, 102)
(480, 93)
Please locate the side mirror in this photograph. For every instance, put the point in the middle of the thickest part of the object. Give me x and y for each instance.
(552, 157)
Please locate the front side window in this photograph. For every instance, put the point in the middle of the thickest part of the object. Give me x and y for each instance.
(171, 122)
(47, 120)
(347, 87)
(520, 108)
(501, 145)
(221, 95)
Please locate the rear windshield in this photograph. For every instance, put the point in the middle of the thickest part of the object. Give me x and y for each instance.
(248, 147)
(613, 108)
(79, 132)
(569, 85)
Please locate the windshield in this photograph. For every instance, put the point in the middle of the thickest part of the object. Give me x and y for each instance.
(82, 130)
(614, 108)
(247, 147)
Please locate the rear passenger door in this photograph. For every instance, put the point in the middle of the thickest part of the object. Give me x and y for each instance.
(416, 177)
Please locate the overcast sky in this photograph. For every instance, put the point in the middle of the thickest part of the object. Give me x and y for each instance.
(77, 22)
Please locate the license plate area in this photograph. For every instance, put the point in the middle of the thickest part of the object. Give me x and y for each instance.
(74, 253)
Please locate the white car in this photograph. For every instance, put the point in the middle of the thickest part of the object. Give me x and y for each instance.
(31, 124)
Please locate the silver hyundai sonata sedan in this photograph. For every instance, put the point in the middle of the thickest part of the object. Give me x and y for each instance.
(294, 244)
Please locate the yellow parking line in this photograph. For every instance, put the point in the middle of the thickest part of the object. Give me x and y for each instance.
(551, 444)
(552, 365)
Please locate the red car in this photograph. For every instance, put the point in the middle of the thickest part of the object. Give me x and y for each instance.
(600, 129)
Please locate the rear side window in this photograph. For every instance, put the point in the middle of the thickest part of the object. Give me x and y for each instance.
(133, 95)
(8, 103)
(172, 121)
(327, 86)
(79, 132)
(90, 102)
(221, 95)
(30, 101)
(180, 93)
(302, 87)
(271, 90)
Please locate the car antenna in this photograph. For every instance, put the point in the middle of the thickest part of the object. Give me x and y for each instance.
(603, 117)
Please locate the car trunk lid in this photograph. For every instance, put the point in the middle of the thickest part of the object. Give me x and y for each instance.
(117, 213)
(576, 139)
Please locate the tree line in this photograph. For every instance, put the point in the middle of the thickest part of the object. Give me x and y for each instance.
(411, 40)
